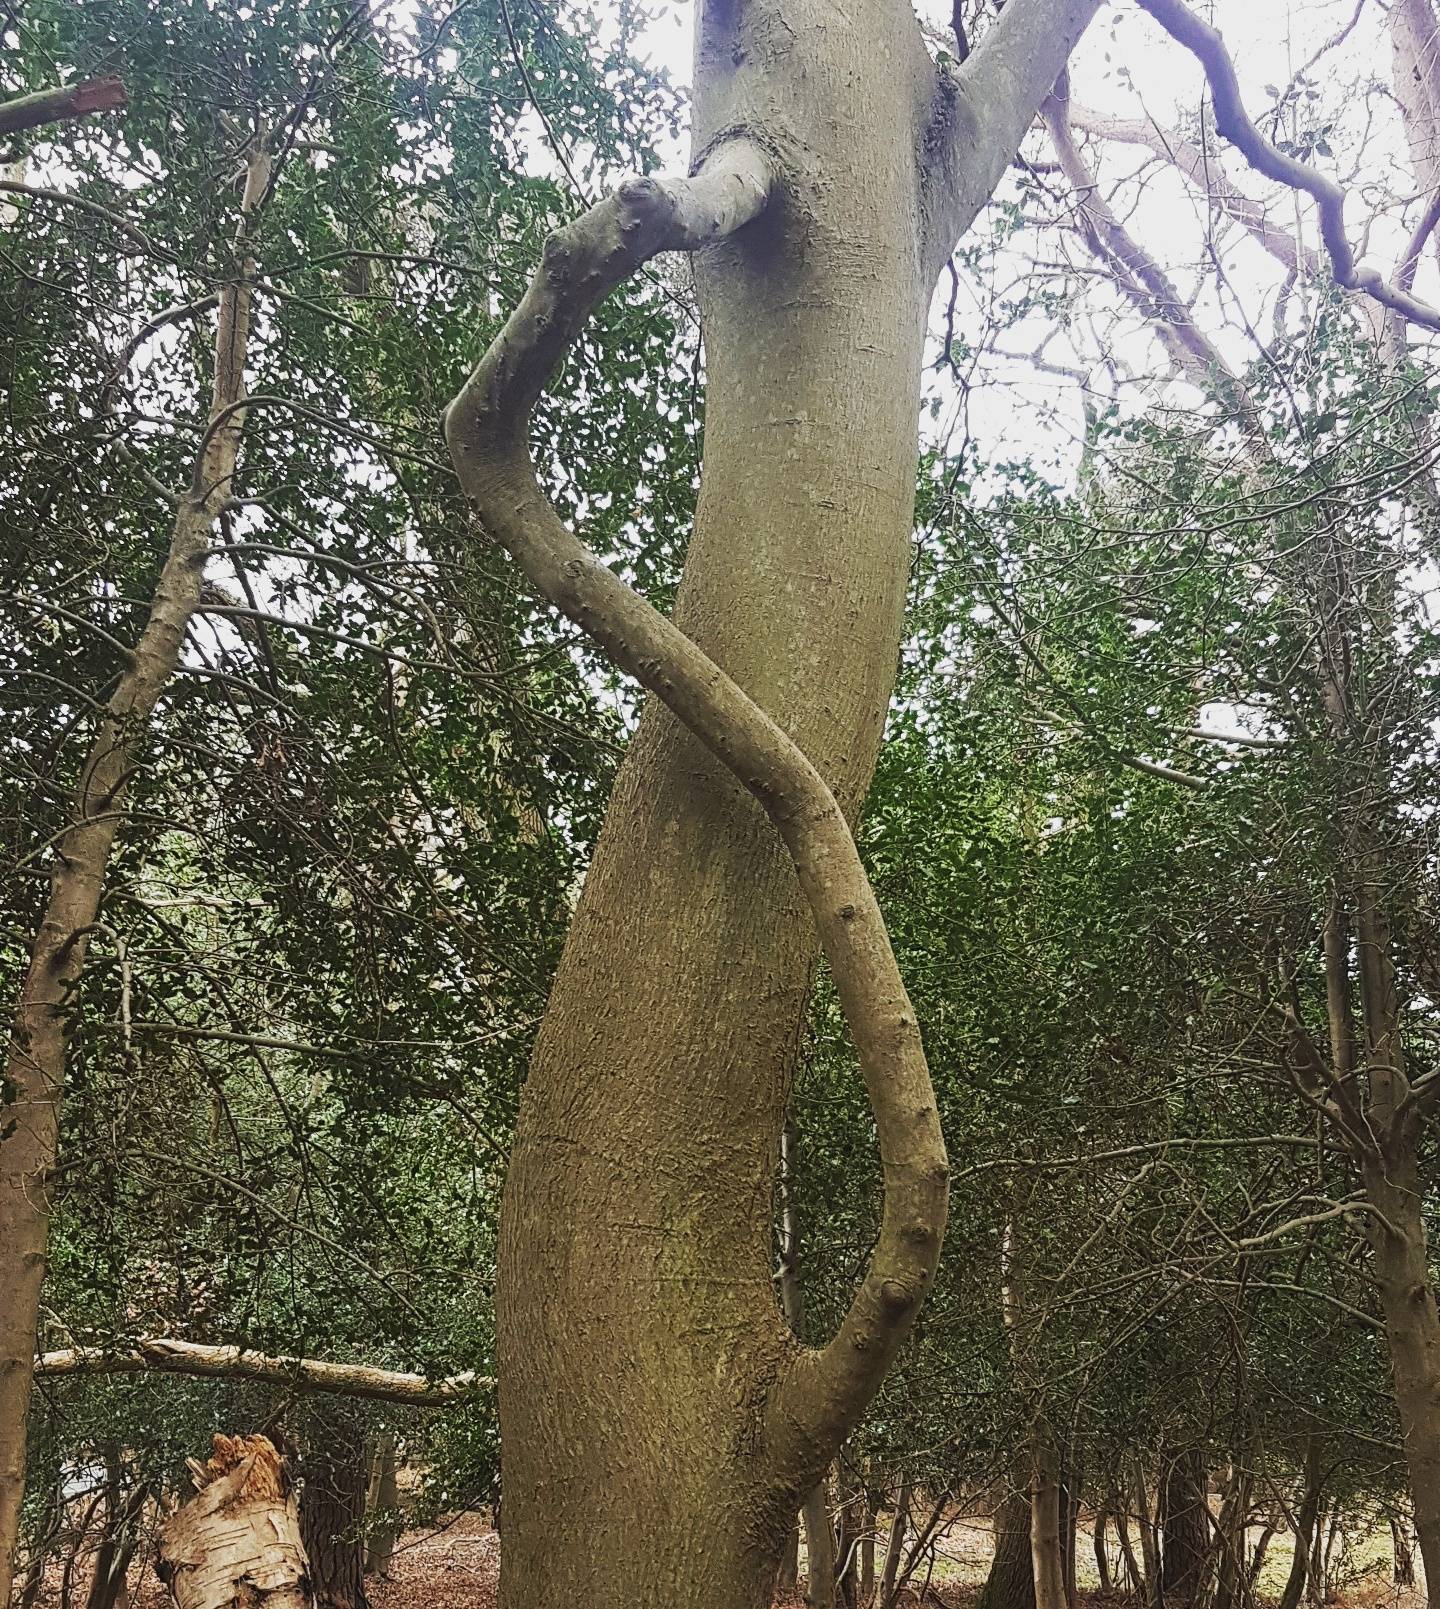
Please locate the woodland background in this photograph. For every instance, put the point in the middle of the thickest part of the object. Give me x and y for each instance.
(1116, 814)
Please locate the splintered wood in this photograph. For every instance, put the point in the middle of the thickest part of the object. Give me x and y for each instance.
(236, 1543)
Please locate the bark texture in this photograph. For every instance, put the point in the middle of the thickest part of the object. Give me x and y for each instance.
(1011, 1581)
(668, 1398)
(35, 1059)
(1046, 1498)
(333, 1478)
(236, 1543)
(1184, 1526)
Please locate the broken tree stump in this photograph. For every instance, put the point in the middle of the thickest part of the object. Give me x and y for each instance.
(236, 1543)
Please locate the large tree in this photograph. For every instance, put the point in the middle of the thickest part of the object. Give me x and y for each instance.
(661, 1423)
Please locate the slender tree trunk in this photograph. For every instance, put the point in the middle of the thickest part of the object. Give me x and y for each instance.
(636, 1218)
(1046, 1498)
(1403, 1569)
(866, 1594)
(1391, 1173)
(35, 1062)
(1102, 1552)
(1257, 1558)
(1070, 1480)
(382, 1510)
(894, 1544)
(1306, 1516)
(1231, 1585)
(332, 1510)
(1133, 1573)
(852, 1529)
(819, 1549)
(1412, 1328)
(236, 1543)
(1149, 1542)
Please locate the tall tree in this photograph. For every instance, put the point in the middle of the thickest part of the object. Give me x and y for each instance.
(668, 1401)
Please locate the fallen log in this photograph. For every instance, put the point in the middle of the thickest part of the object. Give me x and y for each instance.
(166, 1356)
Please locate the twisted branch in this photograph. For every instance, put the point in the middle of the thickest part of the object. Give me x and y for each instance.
(487, 430)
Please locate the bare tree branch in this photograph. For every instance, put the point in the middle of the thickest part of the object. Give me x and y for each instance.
(160, 1354)
(1235, 123)
(1137, 273)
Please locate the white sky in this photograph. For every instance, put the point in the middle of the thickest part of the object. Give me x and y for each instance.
(1128, 66)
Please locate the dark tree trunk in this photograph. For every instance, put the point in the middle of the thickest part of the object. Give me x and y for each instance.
(1185, 1527)
(1404, 1568)
(819, 1549)
(1102, 1555)
(1011, 1582)
(334, 1477)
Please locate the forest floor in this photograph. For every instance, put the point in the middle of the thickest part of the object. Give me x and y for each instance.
(457, 1565)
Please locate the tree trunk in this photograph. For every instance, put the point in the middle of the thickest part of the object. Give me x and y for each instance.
(1069, 1532)
(1133, 1573)
(1232, 1584)
(865, 1595)
(382, 1510)
(1149, 1542)
(894, 1543)
(236, 1543)
(1412, 1328)
(854, 1516)
(636, 1216)
(1102, 1554)
(1046, 1499)
(121, 1535)
(1403, 1570)
(1304, 1529)
(35, 1062)
(819, 1550)
(1011, 1582)
(1257, 1558)
(332, 1511)
(1184, 1525)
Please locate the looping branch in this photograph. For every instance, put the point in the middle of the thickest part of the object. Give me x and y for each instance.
(1235, 124)
(487, 430)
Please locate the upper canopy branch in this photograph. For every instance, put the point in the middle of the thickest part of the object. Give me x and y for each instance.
(487, 430)
(1236, 125)
(57, 105)
(984, 108)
